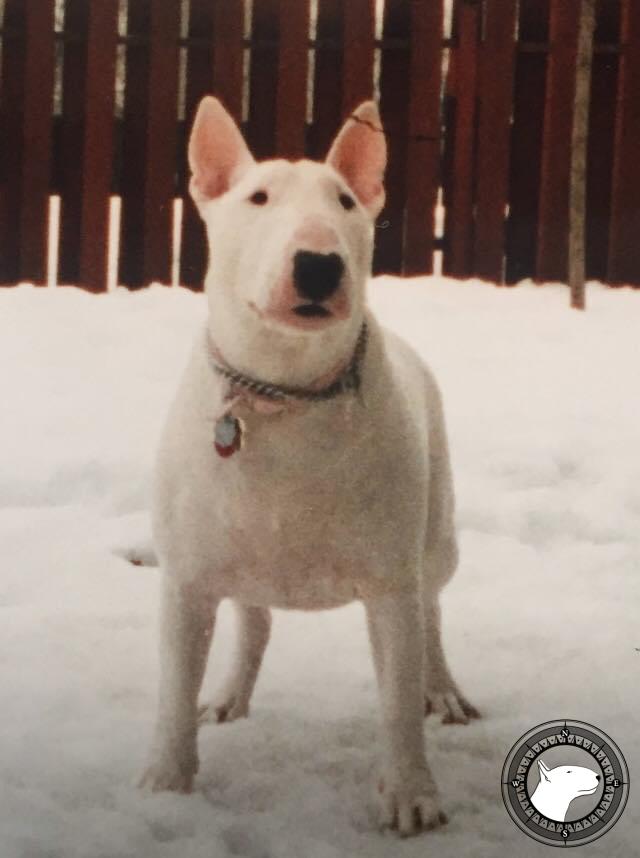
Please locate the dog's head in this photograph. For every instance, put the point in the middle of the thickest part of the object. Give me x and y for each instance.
(569, 781)
(290, 243)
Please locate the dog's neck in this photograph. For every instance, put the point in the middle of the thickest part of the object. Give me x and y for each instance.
(551, 805)
(310, 360)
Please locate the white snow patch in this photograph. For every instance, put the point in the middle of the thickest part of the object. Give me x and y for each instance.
(541, 620)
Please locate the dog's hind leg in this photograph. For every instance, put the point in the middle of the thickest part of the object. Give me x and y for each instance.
(442, 695)
(232, 700)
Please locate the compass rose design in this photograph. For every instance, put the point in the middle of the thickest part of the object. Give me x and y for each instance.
(565, 783)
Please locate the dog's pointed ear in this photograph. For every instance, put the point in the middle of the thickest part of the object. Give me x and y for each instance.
(544, 771)
(359, 154)
(218, 155)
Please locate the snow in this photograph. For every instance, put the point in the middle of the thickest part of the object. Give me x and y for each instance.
(540, 621)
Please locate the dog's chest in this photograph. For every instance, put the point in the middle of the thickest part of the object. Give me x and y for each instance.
(310, 512)
(317, 507)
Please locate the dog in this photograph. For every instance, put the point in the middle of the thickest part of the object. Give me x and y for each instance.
(304, 462)
(559, 786)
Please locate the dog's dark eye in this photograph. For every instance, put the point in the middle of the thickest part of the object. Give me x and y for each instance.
(346, 201)
(259, 198)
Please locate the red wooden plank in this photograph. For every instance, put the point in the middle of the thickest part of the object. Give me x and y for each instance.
(494, 132)
(228, 25)
(604, 81)
(76, 21)
(291, 101)
(358, 49)
(37, 138)
(199, 82)
(423, 157)
(624, 245)
(526, 143)
(263, 78)
(553, 225)
(214, 65)
(132, 223)
(160, 187)
(394, 106)
(27, 104)
(97, 155)
(327, 78)
(11, 100)
(150, 141)
(459, 224)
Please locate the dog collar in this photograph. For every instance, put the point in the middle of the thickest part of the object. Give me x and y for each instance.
(269, 398)
(348, 380)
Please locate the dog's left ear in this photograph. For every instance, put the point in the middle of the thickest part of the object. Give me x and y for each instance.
(544, 771)
(359, 154)
(218, 155)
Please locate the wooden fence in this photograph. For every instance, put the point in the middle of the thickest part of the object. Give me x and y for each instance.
(96, 98)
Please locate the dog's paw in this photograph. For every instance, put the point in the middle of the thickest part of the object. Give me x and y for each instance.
(227, 708)
(409, 803)
(166, 775)
(450, 705)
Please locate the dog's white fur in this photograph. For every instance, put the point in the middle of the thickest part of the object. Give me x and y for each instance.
(559, 786)
(326, 502)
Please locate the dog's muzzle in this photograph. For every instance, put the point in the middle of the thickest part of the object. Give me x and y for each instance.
(316, 277)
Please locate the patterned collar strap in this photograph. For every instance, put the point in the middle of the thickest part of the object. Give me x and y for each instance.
(347, 381)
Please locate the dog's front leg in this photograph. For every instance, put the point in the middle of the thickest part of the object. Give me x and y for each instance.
(408, 795)
(187, 620)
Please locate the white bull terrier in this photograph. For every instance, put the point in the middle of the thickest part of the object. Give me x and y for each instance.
(304, 463)
(559, 786)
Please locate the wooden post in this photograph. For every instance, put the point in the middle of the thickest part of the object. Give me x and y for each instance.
(579, 134)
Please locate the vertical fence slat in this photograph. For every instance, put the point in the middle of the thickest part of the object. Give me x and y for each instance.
(69, 167)
(624, 248)
(37, 139)
(161, 130)
(228, 25)
(199, 83)
(263, 78)
(604, 77)
(97, 155)
(133, 179)
(526, 140)
(327, 77)
(149, 141)
(394, 105)
(459, 222)
(291, 100)
(553, 225)
(358, 48)
(27, 105)
(423, 158)
(494, 130)
(11, 100)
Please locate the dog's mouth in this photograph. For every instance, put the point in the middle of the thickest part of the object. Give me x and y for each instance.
(312, 311)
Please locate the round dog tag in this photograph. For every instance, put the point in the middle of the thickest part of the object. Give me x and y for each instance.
(227, 436)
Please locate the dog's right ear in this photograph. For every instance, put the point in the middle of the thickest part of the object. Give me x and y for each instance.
(218, 155)
(544, 771)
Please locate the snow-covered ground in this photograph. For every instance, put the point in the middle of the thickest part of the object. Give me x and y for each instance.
(543, 407)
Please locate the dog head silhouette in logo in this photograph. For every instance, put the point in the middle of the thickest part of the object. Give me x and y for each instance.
(559, 786)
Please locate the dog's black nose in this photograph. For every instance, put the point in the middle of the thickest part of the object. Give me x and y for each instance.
(597, 777)
(316, 276)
